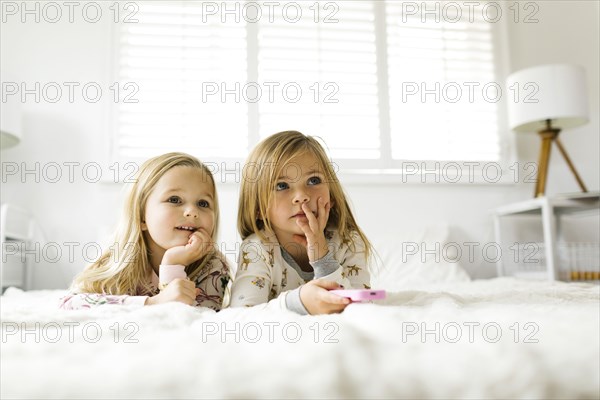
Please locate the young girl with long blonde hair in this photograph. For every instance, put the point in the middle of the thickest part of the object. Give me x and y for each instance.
(164, 245)
(300, 238)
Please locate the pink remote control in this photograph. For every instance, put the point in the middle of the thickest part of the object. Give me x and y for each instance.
(360, 294)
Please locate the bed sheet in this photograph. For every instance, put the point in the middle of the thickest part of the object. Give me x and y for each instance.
(498, 338)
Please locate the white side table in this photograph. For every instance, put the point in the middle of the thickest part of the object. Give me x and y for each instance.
(16, 235)
(550, 209)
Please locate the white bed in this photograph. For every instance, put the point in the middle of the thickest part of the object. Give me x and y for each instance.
(519, 339)
(178, 351)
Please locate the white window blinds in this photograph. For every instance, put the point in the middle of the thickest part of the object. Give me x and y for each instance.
(442, 81)
(181, 61)
(329, 54)
(374, 80)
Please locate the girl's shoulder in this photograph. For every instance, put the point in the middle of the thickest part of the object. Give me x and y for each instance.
(266, 243)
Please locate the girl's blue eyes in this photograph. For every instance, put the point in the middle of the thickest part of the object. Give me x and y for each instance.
(177, 200)
(281, 186)
(315, 180)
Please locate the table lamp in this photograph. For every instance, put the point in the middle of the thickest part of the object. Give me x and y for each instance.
(10, 136)
(546, 99)
(10, 122)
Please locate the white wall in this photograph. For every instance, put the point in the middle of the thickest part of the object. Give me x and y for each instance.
(567, 32)
(83, 212)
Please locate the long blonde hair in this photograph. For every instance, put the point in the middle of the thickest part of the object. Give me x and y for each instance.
(124, 267)
(260, 175)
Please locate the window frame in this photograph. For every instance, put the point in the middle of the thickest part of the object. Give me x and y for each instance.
(383, 170)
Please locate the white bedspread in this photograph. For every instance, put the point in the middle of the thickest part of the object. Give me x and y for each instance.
(517, 339)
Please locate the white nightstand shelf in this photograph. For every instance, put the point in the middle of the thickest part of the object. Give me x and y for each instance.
(550, 210)
(16, 235)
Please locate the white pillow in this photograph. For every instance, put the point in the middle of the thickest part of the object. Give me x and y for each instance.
(407, 260)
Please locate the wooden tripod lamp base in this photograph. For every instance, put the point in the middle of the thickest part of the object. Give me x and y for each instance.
(549, 136)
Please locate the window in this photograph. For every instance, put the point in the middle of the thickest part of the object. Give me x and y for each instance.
(442, 80)
(334, 63)
(171, 58)
(380, 82)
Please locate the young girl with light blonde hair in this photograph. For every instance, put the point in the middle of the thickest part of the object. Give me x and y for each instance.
(300, 238)
(164, 245)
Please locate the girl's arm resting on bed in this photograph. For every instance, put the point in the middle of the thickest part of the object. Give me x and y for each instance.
(328, 268)
(352, 272)
(253, 280)
(77, 301)
(251, 286)
(246, 294)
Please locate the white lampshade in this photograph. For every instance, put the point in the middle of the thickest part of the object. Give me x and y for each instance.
(556, 92)
(10, 122)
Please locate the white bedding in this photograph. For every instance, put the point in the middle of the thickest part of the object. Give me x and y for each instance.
(375, 355)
